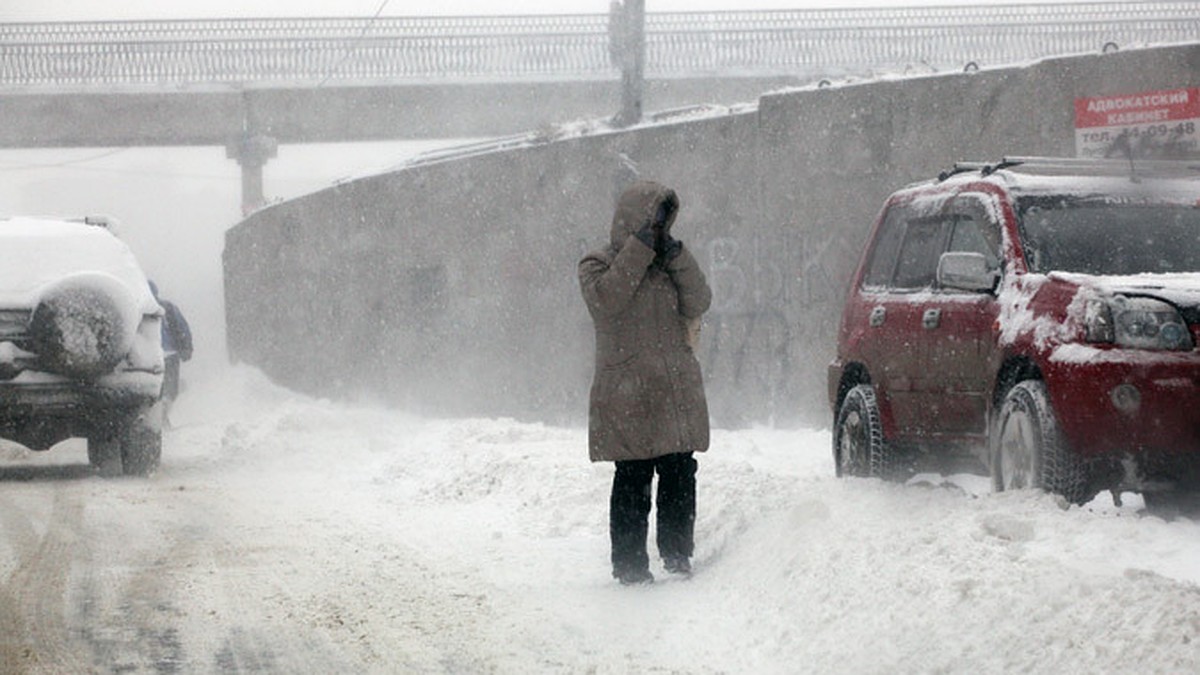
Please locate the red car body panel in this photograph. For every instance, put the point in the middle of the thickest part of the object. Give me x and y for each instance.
(935, 356)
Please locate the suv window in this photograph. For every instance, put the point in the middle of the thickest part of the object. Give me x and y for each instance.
(887, 246)
(967, 237)
(975, 231)
(924, 241)
(974, 237)
(908, 246)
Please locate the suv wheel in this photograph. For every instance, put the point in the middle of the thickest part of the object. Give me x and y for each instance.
(104, 454)
(133, 449)
(141, 442)
(1028, 451)
(858, 445)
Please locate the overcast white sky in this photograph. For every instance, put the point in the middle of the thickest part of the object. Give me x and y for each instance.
(70, 10)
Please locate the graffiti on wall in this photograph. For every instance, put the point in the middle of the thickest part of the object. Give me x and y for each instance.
(770, 319)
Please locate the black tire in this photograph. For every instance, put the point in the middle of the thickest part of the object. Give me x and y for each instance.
(104, 454)
(1028, 450)
(859, 448)
(1173, 504)
(133, 448)
(141, 443)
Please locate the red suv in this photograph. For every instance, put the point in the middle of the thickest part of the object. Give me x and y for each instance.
(1040, 314)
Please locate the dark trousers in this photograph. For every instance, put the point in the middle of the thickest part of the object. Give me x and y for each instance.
(170, 386)
(629, 509)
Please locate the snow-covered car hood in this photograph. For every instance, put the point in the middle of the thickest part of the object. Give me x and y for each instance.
(1181, 290)
(35, 252)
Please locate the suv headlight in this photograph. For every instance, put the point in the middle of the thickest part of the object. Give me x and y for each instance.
(1140, 323)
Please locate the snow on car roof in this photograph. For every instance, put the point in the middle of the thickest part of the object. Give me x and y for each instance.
(38, 251)
(1158, 182)
(1149, 188)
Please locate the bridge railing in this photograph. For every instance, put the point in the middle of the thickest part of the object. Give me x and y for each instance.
(447, 49)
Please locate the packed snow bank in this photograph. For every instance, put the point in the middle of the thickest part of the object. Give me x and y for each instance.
(797, 571)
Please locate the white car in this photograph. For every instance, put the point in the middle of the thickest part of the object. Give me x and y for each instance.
(80, 343)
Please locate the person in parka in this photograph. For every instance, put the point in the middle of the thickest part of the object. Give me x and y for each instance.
(176, 345)
(647, 410)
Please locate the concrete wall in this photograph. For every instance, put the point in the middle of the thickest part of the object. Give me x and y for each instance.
(451, 287)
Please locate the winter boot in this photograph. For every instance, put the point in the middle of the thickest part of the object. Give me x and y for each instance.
(633, 577)
(678, 564)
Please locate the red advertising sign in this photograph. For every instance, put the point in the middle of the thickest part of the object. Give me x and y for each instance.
(1164, 119)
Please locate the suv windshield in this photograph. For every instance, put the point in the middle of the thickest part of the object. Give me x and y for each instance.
(1094, 236)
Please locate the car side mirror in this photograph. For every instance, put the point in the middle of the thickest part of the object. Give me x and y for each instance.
(966, 271)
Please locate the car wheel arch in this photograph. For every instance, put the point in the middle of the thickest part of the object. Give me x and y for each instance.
(853, 375)
(1014, 369)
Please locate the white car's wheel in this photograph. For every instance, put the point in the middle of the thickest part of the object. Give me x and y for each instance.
(104, 454)
(132, 447)
(141, 443)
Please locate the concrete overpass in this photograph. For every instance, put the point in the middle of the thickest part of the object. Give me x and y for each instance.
(251, 84)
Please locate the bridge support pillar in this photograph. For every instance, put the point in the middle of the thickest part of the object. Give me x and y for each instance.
(251, 151)
(627, 34)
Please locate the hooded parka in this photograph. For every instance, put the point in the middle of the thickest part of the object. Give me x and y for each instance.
(647, 396)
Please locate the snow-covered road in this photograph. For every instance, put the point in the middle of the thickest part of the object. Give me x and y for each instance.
(286, 534)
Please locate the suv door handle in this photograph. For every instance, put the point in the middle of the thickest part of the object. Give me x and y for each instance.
(931, 318)
(878, 314)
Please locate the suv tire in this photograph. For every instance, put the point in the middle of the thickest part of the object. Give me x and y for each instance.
(132, 449)
(1029, 452)
(858, 445)
(104, 454)
(141, 442)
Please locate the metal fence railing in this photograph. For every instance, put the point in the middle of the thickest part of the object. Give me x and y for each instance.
(745, 43)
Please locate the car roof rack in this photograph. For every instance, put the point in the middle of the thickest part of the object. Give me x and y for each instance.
(1079, 165)
(961, 167)
(96, 220)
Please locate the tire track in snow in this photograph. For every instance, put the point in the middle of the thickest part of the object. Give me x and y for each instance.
(349, 579)
(186, 595)
(19, 533)
(33, 600)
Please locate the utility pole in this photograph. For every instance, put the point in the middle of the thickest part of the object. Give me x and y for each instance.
(627, 46)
